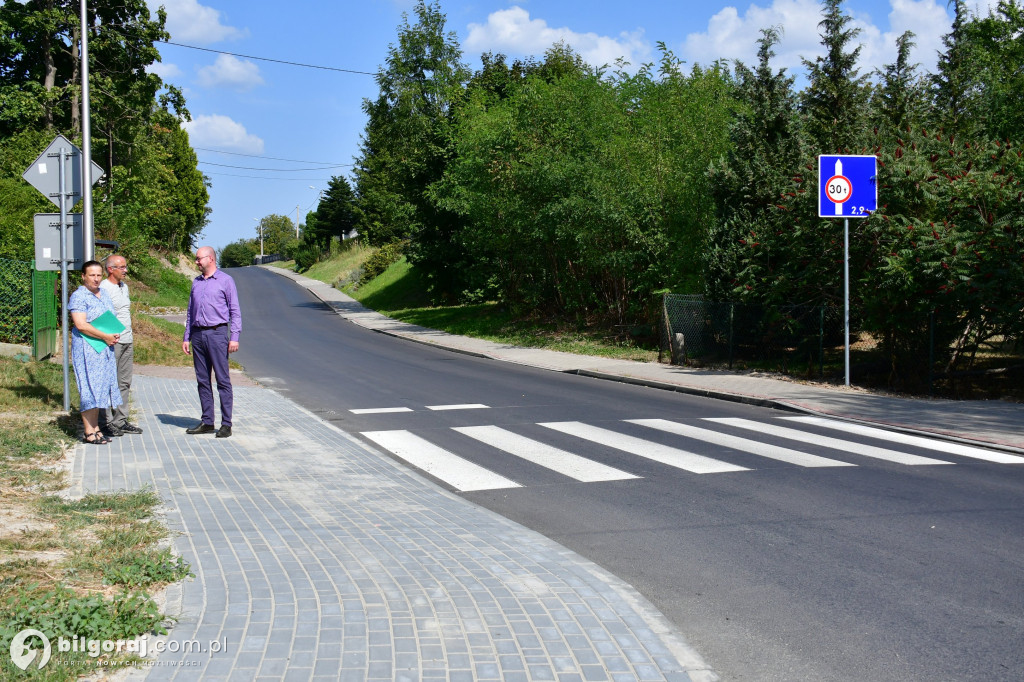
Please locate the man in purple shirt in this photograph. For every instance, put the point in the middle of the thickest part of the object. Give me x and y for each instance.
(213, 324)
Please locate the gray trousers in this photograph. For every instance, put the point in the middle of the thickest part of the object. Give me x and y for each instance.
(124, 356)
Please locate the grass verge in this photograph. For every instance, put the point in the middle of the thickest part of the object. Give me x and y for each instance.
(401, 292)
(69, 568)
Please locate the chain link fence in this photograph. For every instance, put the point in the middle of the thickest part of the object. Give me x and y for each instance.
(807, 342)
(15, 301)
(789, 339)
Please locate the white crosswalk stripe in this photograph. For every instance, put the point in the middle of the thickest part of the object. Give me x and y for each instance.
(566, 463)
(916, 441)
(744, 444)
(467, 476)
(464, 406)
(380, 410)
(438, 462)
(689, 461)
(825, 441)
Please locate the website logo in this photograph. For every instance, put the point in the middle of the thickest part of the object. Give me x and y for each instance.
(22, 655)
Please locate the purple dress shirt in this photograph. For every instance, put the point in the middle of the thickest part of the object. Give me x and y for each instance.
(214, 301)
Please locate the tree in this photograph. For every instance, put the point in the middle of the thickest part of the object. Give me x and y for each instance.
(278, 233)
(767, 148)
(336, 215)
(835, 97)
(900, 100)
(407, 144)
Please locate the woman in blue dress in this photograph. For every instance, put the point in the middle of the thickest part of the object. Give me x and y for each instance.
(95, 372)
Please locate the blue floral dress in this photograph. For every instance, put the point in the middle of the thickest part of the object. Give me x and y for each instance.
(95, 373)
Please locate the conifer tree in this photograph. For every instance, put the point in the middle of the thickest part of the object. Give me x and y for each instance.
(767, 145)
(834, 101)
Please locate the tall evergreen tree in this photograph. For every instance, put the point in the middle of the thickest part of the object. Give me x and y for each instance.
(834, 101)
(407, 145)
(767, 146)
(954, 84)
(900, 100)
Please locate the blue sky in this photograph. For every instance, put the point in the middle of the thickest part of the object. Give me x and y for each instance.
(271, 135)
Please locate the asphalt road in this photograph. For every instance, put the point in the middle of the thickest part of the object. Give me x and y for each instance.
(879, 571)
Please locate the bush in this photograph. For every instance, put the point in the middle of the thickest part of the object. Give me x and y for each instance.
(380, 261)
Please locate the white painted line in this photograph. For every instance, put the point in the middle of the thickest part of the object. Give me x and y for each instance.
(381, 410)
(825, 441)
(674, 457)
(438, 462)
(746, 445)
(918, 441)
(467, 406)
(566, 463)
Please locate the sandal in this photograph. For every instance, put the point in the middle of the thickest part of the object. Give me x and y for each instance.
(96, 438)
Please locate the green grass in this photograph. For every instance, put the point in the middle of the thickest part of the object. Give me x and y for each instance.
(69, 566)
(156, 286)
(401, 292)
(342, 269)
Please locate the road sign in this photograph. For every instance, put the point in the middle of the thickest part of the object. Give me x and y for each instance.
(45, 177)
(47, 233)
(847, 186)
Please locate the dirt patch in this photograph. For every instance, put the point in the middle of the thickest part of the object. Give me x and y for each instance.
(183, 263)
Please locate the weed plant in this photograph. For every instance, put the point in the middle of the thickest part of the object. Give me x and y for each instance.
(69, 567)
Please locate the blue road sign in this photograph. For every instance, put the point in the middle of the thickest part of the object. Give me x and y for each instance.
(847, 186)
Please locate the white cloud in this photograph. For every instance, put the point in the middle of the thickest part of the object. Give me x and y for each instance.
(734, 36)
(513, 32)
(223, 133)
(190, 22)
(231, 72)
(166, 71)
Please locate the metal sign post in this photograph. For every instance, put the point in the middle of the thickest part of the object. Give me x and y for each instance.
(63, 188)
(847, 188)
(61, 166)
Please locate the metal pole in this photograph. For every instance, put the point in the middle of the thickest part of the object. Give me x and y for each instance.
(88, 235)
(62, 175)
(846, 295)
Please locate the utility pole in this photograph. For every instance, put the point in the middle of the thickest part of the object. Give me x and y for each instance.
(296, 221)
(88, 232)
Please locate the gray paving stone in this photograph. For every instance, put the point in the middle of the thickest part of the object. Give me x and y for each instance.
(318, 558)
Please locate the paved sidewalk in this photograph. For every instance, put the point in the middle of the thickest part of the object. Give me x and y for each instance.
(993, 423)
(317, 558)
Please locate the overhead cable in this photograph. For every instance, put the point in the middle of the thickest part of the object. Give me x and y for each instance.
(268, 59)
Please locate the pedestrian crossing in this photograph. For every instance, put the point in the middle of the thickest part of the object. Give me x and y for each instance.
(728, 434)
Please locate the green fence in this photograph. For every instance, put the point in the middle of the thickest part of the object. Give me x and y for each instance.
(15, 301)
(45, 313)
(29, 309)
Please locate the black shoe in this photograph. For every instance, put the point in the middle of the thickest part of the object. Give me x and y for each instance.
(128, 427)
(225, 432)
(200, 428)
(111, 430)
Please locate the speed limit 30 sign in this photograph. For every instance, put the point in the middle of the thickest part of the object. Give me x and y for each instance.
(847, 186)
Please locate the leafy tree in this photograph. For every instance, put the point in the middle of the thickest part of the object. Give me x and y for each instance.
(278, 233)
(239, 254)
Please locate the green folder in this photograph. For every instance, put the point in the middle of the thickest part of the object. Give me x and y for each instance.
(106, 323)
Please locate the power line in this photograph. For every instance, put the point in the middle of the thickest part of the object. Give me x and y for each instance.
(268, 59)
(264, 177)
(269, 158)
(276, 170)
